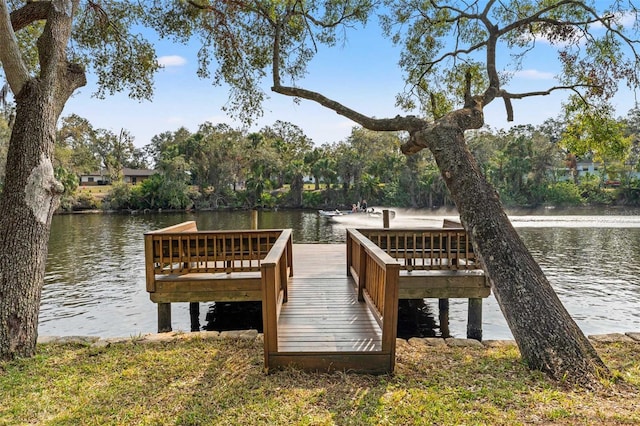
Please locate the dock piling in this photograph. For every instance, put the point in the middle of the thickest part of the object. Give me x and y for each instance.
(164, 317)
(443, 317)
(474, 322)
(194, 312)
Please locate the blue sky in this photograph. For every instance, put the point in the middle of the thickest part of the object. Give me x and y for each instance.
(363, 74)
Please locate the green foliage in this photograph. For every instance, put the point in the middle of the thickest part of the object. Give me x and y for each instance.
(563, 194)
(595, 132)
(85, 201)
(67, 178)
(163, 191)
(230, 168)
(393, 195)
(592, 190)
(70, 182)
(312, 199)
(104, 41)
(119, 198)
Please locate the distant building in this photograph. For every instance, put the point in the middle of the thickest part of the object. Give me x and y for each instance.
(130, 176)
(136, 176)
(94, 178)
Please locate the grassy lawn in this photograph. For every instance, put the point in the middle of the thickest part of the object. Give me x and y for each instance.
(95, 189)
(221, 382)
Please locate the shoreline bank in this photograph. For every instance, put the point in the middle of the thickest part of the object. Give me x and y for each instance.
(94, 341)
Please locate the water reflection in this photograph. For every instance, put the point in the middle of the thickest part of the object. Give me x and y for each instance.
(95, 283)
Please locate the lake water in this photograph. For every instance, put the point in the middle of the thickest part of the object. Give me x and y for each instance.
(95, 282)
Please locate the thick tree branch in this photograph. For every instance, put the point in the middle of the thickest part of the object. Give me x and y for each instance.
(10, 56)
(409, 123)
(52, 43)
(29, 13)
(574, 88)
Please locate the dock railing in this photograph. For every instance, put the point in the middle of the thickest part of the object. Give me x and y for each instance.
(187, 265)
(426, 249)
(375, 274)
(182, 249)
(276, 268)
(435, 263)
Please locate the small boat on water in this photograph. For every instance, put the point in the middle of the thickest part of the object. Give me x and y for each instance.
(341, 216)
(330, 213)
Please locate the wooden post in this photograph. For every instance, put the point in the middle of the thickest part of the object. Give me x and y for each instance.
(164, 317)
(443, 316)
(385, 219)
(194, 312)
(474, 322)
(254, 219)
(269, 311)
(362, 272)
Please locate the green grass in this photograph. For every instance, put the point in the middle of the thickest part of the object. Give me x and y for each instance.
(221, 382)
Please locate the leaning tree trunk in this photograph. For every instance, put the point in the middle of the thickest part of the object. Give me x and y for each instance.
(27, 203)
(548, 338)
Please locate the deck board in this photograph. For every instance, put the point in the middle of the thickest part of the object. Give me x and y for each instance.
(323, 313)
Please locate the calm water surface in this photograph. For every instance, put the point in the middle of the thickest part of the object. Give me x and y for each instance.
(95, 282)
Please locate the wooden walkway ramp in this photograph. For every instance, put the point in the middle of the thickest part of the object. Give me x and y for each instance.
(323, 326)
(323, 313)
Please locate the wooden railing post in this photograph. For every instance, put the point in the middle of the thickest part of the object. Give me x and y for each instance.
(362, 272)
(349, 252)
(390, 314)
(254, 219)
(269, 322)
(385, 219)
(149, 271)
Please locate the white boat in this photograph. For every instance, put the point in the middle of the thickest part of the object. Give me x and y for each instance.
(330, 213)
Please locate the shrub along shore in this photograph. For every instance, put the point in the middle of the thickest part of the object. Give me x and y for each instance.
(218, 378)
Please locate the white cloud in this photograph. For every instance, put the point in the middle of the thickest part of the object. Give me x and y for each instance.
(627, 20)
(172, 61)
(532, 74)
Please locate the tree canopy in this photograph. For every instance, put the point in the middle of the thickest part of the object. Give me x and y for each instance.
(450, 50)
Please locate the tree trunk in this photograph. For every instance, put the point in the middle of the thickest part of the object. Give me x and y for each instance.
(30, 196)
(31, 192)
(548, 338)
(297, 187)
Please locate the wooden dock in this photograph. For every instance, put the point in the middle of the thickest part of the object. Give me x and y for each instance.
(323, 312)
(324, 306)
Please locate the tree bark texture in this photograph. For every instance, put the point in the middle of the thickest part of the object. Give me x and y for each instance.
(548, 338)
(31, 192)
(27, 203)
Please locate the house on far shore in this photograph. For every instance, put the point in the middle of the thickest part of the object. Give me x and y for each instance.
(130, 176)
(136, 176)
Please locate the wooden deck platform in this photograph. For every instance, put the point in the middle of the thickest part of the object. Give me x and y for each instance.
(324, 306)
(323, 313)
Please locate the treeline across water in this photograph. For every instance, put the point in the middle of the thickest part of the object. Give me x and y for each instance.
(221, 167)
